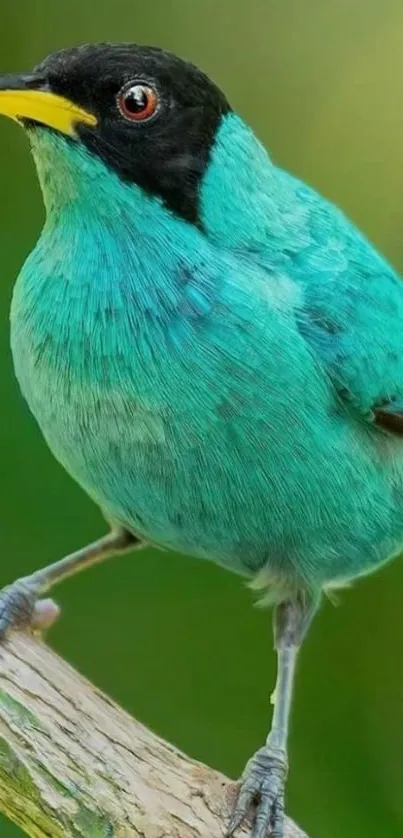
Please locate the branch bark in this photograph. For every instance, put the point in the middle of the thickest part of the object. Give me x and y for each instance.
(75, 765)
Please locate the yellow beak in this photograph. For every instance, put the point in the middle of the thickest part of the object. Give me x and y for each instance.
(22, 102)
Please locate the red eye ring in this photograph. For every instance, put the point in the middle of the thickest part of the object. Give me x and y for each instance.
(138, 102)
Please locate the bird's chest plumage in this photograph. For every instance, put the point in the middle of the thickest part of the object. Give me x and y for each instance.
(156, 400)
(138, 392)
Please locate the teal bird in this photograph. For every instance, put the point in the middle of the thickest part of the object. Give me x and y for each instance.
(210, 349)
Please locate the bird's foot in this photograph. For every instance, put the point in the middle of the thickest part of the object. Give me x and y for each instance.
(262, 784)
(21, 609)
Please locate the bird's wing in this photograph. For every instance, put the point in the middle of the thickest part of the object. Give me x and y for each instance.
(351, 313)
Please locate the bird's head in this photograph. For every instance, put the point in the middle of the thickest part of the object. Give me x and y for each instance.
(147, 115)
(115, 122)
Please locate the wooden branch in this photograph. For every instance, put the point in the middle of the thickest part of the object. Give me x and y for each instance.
(74, 765)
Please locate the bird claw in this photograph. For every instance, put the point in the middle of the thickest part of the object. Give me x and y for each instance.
(21, 609)
(262, 783)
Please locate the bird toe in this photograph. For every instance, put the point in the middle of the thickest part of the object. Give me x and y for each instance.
(21, 609)
(262, 784)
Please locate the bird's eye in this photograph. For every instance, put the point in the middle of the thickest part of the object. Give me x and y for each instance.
(138, 102)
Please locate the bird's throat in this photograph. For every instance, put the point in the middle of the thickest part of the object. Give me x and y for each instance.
(106, 244)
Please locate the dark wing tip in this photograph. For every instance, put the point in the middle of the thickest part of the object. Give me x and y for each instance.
(389, 420)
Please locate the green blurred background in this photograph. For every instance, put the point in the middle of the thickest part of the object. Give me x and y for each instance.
(176, 642)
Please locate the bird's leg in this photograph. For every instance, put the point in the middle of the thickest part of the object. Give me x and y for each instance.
(264, 778)
(20, 603)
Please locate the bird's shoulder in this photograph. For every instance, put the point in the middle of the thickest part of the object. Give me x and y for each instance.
(351, 310)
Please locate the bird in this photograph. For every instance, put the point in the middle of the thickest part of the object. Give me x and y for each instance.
(210, 349)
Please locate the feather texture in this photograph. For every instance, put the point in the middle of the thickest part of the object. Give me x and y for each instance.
(217, 390)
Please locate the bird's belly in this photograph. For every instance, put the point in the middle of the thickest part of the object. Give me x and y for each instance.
(303, 505)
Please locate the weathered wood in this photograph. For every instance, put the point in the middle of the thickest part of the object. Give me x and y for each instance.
(73, 764)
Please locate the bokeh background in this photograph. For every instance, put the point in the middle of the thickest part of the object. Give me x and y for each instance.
(177, 642)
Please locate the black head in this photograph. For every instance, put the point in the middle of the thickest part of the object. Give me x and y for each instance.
(156, 115)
